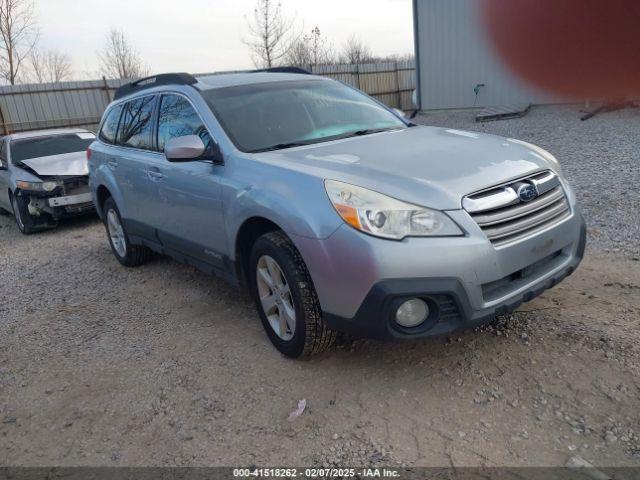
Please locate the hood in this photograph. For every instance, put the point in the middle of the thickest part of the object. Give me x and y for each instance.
(429, 166)
(66, 164)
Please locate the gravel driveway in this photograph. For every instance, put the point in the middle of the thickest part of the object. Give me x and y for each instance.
(162, 365)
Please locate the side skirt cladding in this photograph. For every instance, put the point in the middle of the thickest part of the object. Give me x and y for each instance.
(183, 251)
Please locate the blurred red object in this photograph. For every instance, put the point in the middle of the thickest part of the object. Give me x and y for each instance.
(573, 48)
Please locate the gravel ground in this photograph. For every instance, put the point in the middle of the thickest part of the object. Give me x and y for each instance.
(600, 157)
(162, 365)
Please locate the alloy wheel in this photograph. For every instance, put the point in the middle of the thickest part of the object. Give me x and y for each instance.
(275, 297)
(116, 233)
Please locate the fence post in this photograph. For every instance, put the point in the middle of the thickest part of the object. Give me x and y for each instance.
(398, 87)
(106, 89)
(358, 76)
(5, 127)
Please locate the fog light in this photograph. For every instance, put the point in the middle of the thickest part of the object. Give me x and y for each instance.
(412, 313)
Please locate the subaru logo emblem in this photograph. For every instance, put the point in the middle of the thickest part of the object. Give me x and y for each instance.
(527, 192)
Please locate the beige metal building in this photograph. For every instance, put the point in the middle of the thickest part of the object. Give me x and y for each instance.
(456, 66)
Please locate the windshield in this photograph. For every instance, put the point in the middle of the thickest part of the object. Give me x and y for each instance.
(49, 145)
(270, 116)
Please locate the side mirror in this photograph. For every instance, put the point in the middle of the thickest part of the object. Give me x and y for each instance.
(184, 149)
(191, 147)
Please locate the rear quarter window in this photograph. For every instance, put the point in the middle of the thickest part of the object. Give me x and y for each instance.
(109, 128)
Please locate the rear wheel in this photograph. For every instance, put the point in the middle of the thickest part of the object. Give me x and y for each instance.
(286, 298)
(127, 254)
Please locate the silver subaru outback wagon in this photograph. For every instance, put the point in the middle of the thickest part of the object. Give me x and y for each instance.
(335, 211)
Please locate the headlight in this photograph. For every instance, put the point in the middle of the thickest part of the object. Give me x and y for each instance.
(386, 217)
(555, 164)
(37, 186)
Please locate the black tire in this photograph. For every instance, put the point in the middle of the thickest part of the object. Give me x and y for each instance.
(135, 255)
(311, 334)
(23, 218)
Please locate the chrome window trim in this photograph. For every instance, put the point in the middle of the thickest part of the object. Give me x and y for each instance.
(158, 94)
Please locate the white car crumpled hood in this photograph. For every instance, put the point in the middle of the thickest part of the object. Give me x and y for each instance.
(66, 164)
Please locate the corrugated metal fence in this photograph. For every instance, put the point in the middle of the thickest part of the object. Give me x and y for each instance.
(392, 83)
(81, 104)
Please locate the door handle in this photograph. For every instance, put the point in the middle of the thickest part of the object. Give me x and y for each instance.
(155, 174)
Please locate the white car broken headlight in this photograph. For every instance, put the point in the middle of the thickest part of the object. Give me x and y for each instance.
(37, 186)
(377, 214)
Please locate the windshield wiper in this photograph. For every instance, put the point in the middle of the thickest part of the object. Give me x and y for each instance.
(367, 131)
(357, 133)
(280, 146)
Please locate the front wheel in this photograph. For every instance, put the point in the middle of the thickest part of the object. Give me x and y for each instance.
(127, 254)
(286, 298)
(21, 213)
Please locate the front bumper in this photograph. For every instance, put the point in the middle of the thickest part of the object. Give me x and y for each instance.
(449, 304)
(45, 207)
(360, 280)
(71, 200)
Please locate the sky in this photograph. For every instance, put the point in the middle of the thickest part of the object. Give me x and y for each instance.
(206, 35)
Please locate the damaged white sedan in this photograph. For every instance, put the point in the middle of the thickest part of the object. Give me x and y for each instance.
(44, 176)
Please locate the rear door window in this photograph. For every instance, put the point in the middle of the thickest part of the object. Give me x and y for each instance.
(136, 126)
(110, 125)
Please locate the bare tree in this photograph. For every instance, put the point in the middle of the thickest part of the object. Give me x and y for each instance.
(119, 58)
(356, 51)
(298, 54)
(49, 66)
(18, 36)
(271, 34)
(321, 49)
(396, 57)
(310, 50)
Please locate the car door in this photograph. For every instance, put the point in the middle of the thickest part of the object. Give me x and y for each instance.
(136, 161)
(192, 221)
(5, 175)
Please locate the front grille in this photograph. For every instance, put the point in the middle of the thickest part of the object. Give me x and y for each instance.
(75, 185)
(79, 208)
(504, 286)
(504, 216)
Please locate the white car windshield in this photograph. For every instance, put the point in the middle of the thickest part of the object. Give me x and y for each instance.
(49, 145)
(271, 116)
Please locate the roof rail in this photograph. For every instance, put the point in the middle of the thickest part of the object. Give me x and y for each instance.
(155, 81)
(299, 70)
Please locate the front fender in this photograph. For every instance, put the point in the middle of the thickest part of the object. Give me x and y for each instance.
(300, 207)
